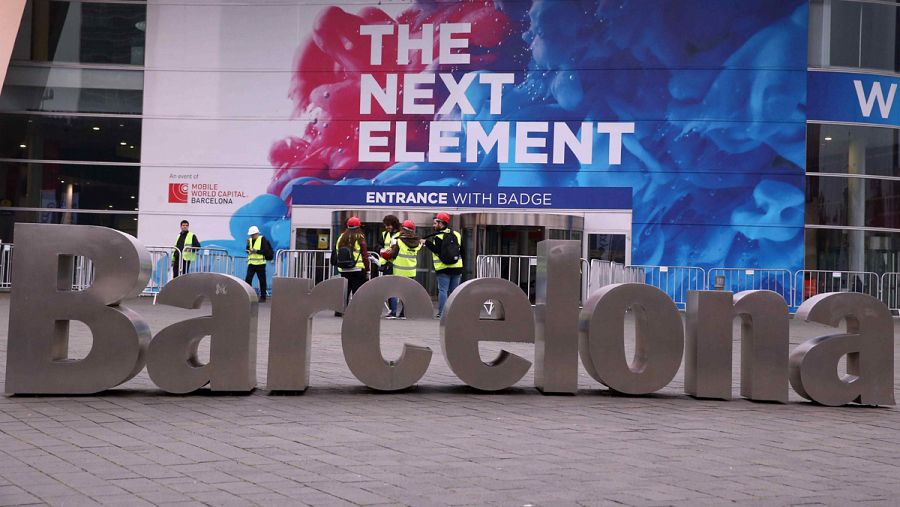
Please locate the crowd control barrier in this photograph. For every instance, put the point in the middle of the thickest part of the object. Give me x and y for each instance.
(809, 282)
(6, 251)
(601, 273)
(741, 279)
(522, 271)
(208, 260)
(890, 290)
(160, 269)
(675, 281)
(311, 264)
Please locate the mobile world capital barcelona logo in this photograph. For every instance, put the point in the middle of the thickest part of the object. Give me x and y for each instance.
(178, 193)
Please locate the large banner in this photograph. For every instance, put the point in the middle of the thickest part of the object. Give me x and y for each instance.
(697, 106)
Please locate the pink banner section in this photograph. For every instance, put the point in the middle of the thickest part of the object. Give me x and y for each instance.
(10, 16)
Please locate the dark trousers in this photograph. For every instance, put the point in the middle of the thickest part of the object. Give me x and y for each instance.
(176, 266)
(260, 271)
(355, 280)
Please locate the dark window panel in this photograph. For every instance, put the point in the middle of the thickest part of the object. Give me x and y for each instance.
(96, 139)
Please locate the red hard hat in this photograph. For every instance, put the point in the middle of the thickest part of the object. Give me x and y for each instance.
(443, 217)
(353, 222)
(408, 224)
(386, 253)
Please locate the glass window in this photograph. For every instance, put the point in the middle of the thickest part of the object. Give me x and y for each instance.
(832, 249)
(875, 150)
(126, 223)
(30, 185)
(82, 32)
(864, 35)
(62, 89)
(97, 139)
(855, 202)
(607, 247)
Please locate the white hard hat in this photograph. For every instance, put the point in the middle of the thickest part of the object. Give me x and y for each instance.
(252, 230)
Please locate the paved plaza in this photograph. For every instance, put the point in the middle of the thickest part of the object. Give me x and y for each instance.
(440, 443)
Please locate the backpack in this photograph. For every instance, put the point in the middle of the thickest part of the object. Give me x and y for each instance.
(449, 254)
(343, 258)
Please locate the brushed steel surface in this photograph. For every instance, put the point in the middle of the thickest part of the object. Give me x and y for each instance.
(765, 342)
(868, 345)
(172, 357)
(462, 329)
(360, 334)
(659, 338)
(40, 310)
(556, 316)
(707, 344)
(294, 303)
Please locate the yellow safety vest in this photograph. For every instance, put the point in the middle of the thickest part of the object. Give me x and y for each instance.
(407, 259)
(186, 254)
(357, 254)
(386, 239)
(438, 265)
(256, 259)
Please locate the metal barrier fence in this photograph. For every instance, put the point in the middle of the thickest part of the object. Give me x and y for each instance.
(82, 272)
(208, 260)
(311, 264)
(160, 266)
(675, 281)
(890, 290)
(606, 273)
(809, 282)
(6, 251)
(522, 271)
(738, 279)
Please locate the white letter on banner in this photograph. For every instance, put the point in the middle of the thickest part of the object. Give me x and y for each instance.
(436, 141)
(370, 89)
(523, 142)
(476, 136)
(867, 103)
(615, 131)
(448, 43)
(425, 44)
(376, 32)
(411, 93)
(563, 137)
(457, 93)
(367, 141)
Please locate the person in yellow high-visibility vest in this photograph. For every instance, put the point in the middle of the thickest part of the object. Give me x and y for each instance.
(259, 250)
(181, 260)
(448, 275)
(405, 254)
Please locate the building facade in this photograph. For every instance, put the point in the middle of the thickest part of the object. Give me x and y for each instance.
(767, 142)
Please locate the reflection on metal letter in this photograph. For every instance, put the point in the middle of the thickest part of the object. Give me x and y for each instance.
(43, 303)
(659, 338)
(868, 345)
(360, 334)
(556, 316)
(290, 328)
(764, 345)
(462, 329)
(172, 359)
(707, 344)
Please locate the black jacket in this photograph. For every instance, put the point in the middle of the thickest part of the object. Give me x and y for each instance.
(433, 243)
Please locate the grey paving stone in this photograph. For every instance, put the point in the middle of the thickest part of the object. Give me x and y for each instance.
(439, 443)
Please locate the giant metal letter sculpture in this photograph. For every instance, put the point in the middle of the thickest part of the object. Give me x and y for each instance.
(172, 358)
(360, 334)
(462, 329)
(43, 302)
(659, 338)
(868, 345)
(290, 328)
(556, 316)
(707, 344)
(764, 344)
